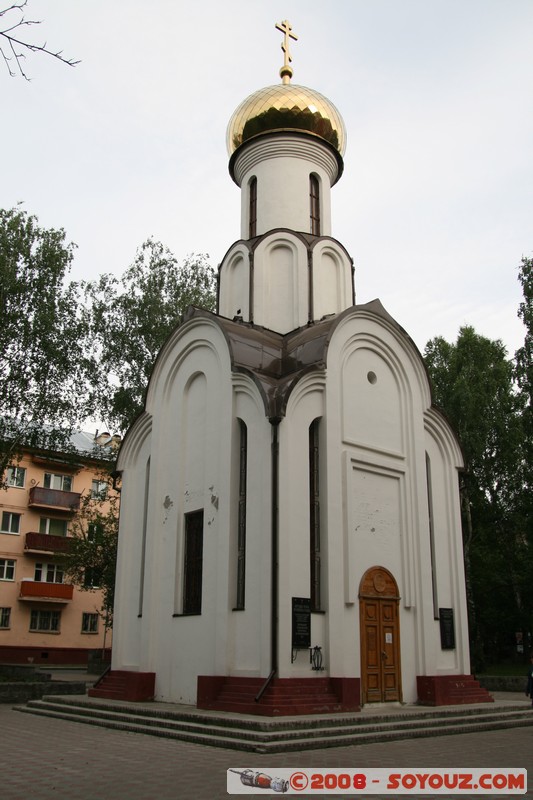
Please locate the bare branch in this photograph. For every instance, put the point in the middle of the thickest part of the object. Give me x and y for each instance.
(17, 46)
(10, 8)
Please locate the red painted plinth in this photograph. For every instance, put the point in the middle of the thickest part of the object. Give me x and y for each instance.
(125, 685)
(282, 697)
(449, 690)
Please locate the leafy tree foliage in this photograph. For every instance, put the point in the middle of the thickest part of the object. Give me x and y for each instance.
(473, 383)
(524, 375)
(131, 318)
(91, 558)
(69, 351)
(42, 336)
(14, 43)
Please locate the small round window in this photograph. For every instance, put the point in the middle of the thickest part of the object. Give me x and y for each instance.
(372, 377)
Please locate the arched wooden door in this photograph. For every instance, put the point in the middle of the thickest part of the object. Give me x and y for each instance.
(380, 637)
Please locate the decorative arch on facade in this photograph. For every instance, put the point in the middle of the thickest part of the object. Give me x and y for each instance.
(234, 284)
(331, 280)
(134, 441)
(202, 331)
(378, 582)
(375, 395)
(391, 340)
(280, 283)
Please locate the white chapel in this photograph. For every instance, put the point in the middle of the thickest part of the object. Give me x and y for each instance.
(290, 534)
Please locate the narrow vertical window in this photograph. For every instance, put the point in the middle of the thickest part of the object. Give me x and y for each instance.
(314, 515)
(432, 540)
(252, 211)
(314, 204)
(241, 534)
(144, 529)
(193, 566)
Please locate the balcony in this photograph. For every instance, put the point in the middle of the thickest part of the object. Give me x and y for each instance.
(39, 591)
(42, 543)
(54, 499)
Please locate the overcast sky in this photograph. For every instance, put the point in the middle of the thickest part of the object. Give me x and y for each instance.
(436, 201)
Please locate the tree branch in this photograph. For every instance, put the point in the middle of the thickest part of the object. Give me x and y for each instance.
(16, 46)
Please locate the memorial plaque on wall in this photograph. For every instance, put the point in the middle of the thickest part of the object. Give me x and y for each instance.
(447, 629)
(301, 623)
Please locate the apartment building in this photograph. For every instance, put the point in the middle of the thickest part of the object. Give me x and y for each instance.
(44, 619)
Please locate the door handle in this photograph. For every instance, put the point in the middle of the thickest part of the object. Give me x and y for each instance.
(383, 655)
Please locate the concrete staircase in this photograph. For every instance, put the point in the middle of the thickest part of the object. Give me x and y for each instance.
(261, 735)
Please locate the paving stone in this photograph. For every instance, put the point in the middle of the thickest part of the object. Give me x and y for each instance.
(45, 758)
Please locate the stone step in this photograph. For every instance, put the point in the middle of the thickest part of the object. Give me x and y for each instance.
(390, 715)
(385, 714)
(275, 736)
(279, 710)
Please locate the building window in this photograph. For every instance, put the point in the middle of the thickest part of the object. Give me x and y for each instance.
(314, 515)
(99, 490)
(144, 528)
(95, 532)
(10, 522)
(45, 620)
(53, 527)
(241, 533)
(314, 204)
(16, 476)
(252, 226)
(92, 578)
(193, 565)
(62, 482)
(5, 617)
(7, 569)
(89, 623)
(436, 613)
(49, 573)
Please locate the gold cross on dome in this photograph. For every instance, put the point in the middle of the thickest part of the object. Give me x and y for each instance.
(286, 29)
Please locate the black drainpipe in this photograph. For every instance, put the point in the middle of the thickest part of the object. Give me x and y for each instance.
(274, 421)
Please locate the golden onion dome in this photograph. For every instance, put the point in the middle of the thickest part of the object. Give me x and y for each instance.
(286, 107)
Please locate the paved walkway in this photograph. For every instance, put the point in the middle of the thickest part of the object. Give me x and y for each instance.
(43, 758)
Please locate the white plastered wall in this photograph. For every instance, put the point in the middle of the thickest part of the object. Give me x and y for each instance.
(234, 294)
(281, 282)
(332, 279)
(282, 166)
(377, 392)
(131, 562)
(193, 455)
(445, 460)
(306, 403)
(248, 640)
